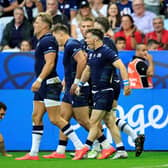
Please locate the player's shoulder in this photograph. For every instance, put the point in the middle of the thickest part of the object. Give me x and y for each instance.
(106, 48)
(72, 43)
(47, 38)
(108, 52)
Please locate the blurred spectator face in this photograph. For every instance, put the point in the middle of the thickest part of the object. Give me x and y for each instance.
(18, 16)
(121, 44)
(126, 23)
(2, 113)
(158, 24)
(52, 7)
(97, 1)
(84, 26)
(113, 10)
(25, 46)
(153, 47)
(142, 51)
(29, 3)
(99, 26)
(138, 7)
(85, 11)
(84, 8)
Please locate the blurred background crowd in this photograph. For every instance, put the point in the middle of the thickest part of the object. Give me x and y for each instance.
(126, 22)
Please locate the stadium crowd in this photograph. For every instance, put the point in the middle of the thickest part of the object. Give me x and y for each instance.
(137, 21)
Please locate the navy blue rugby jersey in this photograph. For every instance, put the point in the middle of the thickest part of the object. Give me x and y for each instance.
(108, 42)
(100, 62)
(72, 46)
(45, 45)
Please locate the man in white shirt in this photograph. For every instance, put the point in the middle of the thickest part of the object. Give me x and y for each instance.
(142, 18)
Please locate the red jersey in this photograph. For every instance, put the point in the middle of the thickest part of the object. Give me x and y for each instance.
(153, 35)
(137, 36)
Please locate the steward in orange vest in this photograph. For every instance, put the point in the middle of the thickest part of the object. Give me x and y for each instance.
(137, 72)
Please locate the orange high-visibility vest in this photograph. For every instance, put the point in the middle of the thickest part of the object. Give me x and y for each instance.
(135, 77)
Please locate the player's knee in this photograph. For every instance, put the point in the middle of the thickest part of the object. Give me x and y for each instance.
(110, 124)
(56, 120)
(93, 123)
(84, 123)
(37, 120)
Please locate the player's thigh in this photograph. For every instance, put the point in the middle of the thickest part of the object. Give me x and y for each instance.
(109, 118)
(53, 112)
(114, 104)
(38, 110)
(66, 110)
(81, 114)
(96, 116)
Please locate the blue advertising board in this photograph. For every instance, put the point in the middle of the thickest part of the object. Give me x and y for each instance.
(17, 69)
(145, 110)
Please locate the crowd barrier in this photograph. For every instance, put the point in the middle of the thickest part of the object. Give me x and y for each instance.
(146, 110)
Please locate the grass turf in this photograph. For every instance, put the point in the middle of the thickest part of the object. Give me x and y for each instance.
(146, 160)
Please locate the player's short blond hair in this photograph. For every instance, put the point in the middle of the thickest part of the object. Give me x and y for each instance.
(45, 17)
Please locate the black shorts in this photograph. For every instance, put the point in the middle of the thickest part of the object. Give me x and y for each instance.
(77, 101)
(102, 100)
(48, 91)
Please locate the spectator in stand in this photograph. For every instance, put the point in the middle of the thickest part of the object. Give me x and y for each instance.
(153, 45)
(140, 69)
(142, 18)
(125, 7)
(17, 30)
(164, 10)
(159, 33)
(84, 12)
(153, 6)
(68, 8)
(114, 1)
(98, 8)
(57, 16)
(120, 43)
(25, 46)
(31, 9)
(7, 7)
(103, 24)
(129, 32)
(114, 17)
(3, 22)
(3, 109)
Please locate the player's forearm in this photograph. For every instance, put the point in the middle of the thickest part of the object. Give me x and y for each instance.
(123, 72)
(80, 68)
(46, 70)
(85, 75)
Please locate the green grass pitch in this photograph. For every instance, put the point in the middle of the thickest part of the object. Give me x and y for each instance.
(146, 160)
